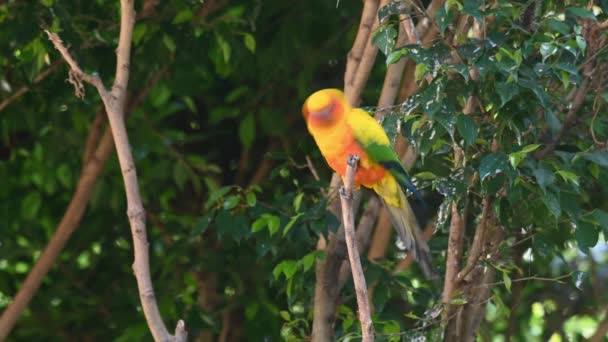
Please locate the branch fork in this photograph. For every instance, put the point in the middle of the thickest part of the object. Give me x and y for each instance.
(114, 102)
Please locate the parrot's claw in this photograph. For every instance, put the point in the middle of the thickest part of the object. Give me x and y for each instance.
(353, 160)
(344, 194)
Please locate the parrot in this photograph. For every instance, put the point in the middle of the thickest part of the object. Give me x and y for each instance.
(341, 131)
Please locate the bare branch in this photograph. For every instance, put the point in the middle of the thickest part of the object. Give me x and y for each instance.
(123, 51)
(348, 219)
(454, 252)
(370, 8)
(364, 231)
(93, 137)
(478, 240)
(114, 103)
(23, 90)
(76, 74)
(601, 331)
(354, 87)
(69, 222)
(312, 168)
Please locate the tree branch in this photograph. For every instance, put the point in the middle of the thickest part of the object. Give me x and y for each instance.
(454, 252)
(602, 330)
(76, 75)
(348, 219)
(363, 70)
(478, 240)
(69, 222)
(114, 102)
(370, 9)
(23, 90)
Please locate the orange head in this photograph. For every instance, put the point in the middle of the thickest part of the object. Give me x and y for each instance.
(325, 107)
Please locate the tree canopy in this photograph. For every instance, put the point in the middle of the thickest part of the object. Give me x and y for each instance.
(497, 109)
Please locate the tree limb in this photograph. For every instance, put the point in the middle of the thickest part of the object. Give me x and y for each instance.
(478, 240)
(370, 9)
(454, 252)
(602, 330)
(348, 219)
(23, 90)
(69, 222)
(114, 102)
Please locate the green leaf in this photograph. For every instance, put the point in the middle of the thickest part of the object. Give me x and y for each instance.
(231, 202)
(444, 18)
(291, 222)
(138, 32)
(600, 158)
(308, 260)
(392, 8)
(249, 41)
(259, 224)
(224, 46)
(506, 91)
(274, 223)
(516, 157)
(507, 280)
(581, 12)
(472, 7)
(547, 50)
(31, 205)
(385, 38)
(543, 177)
(201, 224)
(568, 176)
(182, 16)
(216, 195)
(180, 175)
(600, 218)
(247, 131)
(467, 129)
(285, 315)
(64, 174)
(289, 268)
(586, 236)
(395, 55)
(493, 164)
(169, 43)
(297, 201)
(251, 199)
(582, 44)
(552, 201)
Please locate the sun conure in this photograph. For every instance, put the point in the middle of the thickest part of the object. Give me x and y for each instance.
(341, 131)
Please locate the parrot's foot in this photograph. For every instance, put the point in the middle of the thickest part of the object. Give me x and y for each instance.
(344, 194)
(353, 160)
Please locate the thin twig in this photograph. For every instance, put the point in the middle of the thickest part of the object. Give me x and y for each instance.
(348, 219)
(312, 168)
(23, 90)
(76, 74)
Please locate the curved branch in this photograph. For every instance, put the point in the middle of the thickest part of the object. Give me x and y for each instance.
(68, 224)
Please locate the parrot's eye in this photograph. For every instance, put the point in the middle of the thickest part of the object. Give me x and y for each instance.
(324, 113)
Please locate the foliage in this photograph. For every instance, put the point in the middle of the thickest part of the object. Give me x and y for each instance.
(233, 211)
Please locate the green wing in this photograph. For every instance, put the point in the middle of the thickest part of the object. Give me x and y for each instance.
(372, 138)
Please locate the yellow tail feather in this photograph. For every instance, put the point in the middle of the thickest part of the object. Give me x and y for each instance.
(403, 219)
